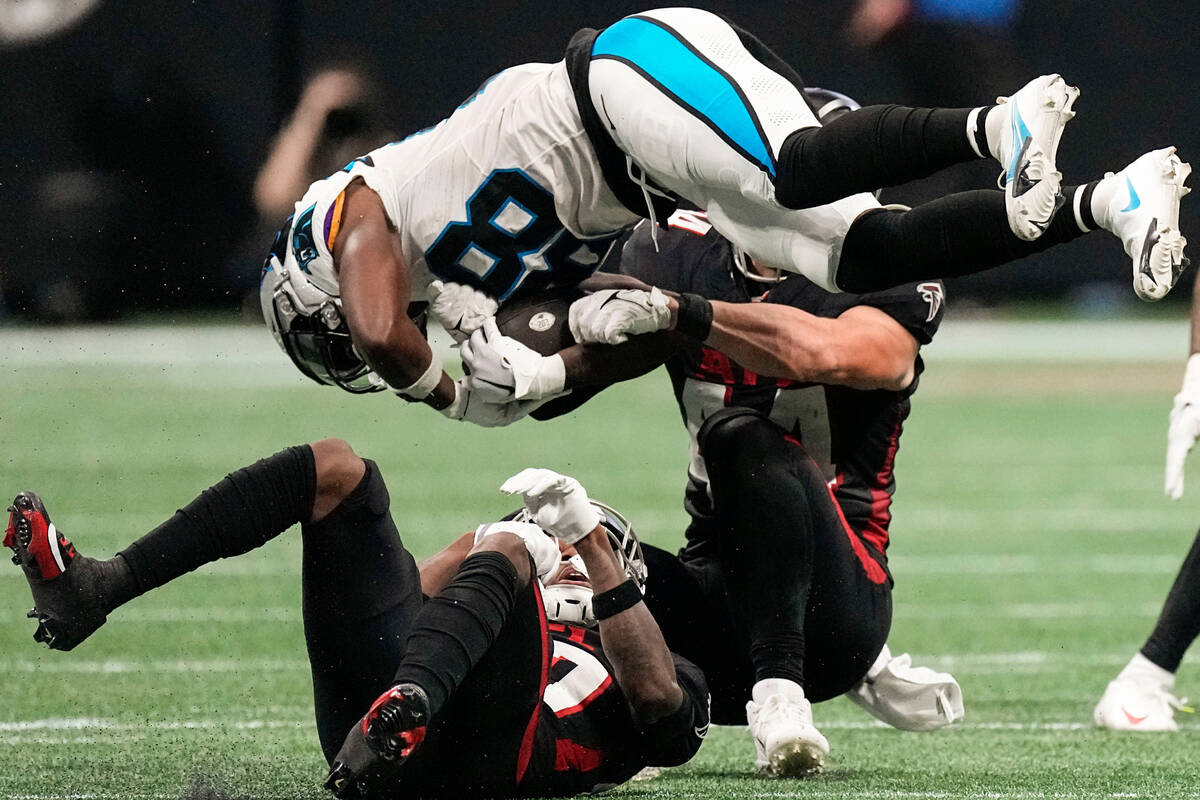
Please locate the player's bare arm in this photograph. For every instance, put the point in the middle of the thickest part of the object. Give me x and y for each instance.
(644, 668)
(439, 568)
(642, 665)
(864, 348)
(376, 291)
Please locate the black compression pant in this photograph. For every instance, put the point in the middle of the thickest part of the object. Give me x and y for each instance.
(363, 602)
(788, 587)
(958, 234)
(867, 149)
(1179, 623)
(878, 146)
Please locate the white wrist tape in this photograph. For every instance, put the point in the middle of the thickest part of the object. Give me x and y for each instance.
(423, 386)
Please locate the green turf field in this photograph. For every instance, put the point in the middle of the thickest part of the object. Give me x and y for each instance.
(1032, 548)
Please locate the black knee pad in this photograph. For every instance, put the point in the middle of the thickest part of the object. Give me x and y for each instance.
(731, 430)
(366, 503)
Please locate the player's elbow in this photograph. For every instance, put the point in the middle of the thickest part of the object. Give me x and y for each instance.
(895, 376)
(385, 341)
(653, 699)
(865, 367)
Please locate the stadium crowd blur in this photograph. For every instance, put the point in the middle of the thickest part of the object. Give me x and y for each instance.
(150, 150)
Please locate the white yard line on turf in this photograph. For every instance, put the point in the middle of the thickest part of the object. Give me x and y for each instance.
(186, 615)
(111, 726)
(1135, 341)
(39, 661)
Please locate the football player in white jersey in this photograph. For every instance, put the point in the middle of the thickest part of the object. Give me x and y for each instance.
(529, 182)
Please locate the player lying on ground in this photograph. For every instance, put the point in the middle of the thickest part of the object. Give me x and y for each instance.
(462, 651)
(782, 594)
(1142, 697)
(530, 181)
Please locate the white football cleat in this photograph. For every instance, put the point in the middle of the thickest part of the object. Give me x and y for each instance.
(1143, 212)
(1136, 703)
(1026, 147)
(786, 743)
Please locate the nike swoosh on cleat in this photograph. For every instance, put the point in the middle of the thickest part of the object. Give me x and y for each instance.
(1134, 200)
(1132, 719)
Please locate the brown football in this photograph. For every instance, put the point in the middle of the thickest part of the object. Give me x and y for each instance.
(540, 323)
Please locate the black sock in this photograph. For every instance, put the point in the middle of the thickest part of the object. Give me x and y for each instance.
(1179, 623)
(1085, 218)
(868, 149)
(243, 511)
(457, 626)
(958, 234)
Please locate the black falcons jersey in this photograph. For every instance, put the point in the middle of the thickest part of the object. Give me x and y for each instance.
(586, 739)
(852, 434)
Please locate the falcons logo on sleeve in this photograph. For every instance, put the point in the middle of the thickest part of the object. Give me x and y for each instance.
(934, 294)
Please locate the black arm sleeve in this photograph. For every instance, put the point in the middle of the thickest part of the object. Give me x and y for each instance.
(674, 739)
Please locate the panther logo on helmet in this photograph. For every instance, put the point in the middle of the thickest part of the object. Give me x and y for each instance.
(302, 240)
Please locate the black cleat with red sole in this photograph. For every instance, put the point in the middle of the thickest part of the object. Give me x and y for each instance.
(366, 766)
(395, 725)
(67, 588)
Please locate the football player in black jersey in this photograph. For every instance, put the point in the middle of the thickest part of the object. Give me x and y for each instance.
(794, 398)
(795, 401)
(413, 667)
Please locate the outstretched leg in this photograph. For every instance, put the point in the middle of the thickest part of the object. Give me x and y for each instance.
(74, 594)
(707, 120)
(880, 146)
(964, 233)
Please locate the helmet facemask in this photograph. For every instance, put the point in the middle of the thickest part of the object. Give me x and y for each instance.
(314, 334)
(572, 605)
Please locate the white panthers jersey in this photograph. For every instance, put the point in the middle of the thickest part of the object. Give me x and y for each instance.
(505, 193)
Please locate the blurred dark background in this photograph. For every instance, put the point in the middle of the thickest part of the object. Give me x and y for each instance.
(132, 137)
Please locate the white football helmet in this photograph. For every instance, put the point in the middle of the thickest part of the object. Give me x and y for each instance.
(307, 321)
(572, 605)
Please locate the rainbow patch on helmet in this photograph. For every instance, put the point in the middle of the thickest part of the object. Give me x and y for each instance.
(333, 220)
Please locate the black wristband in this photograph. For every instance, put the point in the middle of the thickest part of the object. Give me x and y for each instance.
(694, 317)
(616, 600)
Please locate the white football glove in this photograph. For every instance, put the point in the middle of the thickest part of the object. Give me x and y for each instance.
(467, 406)
(459, 308)
(611, 316)
(502, 369)
(543, 549)
(558, 504)
(1184, 427)
(907, 697)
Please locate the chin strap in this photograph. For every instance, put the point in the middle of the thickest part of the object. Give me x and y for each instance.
(639, 177)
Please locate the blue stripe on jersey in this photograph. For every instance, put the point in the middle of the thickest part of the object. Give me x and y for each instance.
(696, 84)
